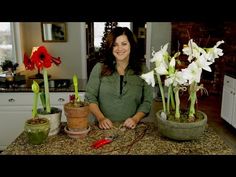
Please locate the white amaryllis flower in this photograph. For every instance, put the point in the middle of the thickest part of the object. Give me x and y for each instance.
(149, 78)
(188, 78)
(192, 50)
(172, 62)
(161, 69)
(171, 69)
(214, 52)
(203, 63)
(160, 56)
(192, 73)
(176, 79)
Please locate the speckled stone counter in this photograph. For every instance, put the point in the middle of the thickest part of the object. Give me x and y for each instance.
(143, 140)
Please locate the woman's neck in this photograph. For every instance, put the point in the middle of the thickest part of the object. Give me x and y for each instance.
(121, 66)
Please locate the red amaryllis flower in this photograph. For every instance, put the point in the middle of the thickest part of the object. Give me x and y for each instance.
(56, 61)
(29, 65)
(41, 58)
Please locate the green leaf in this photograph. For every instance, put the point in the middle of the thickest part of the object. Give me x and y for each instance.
(43, 100)
(35, 89)
(75, 82)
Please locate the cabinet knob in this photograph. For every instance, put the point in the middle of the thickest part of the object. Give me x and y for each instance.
(227, 81)
(11, 100)
(61, 99)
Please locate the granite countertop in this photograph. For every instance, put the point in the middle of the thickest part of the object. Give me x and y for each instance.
(143, 140)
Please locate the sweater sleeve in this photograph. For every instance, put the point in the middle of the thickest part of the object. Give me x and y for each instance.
(146, 104)
(93, 84)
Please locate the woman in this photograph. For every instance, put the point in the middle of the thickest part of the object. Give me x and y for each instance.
(115, 91)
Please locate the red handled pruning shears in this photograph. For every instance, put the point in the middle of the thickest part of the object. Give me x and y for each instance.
(99, 143)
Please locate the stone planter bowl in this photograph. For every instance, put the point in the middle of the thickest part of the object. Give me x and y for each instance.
(181, 131)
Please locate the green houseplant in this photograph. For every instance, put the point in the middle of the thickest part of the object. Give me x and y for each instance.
(173, 121)
(9, 68)
(36, 128)
(8, 64)
(76, 112)
(41, 59)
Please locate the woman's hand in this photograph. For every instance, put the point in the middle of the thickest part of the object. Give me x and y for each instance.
(130, 123)
(105, 124)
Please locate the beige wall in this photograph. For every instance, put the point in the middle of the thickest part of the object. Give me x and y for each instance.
(72, 52)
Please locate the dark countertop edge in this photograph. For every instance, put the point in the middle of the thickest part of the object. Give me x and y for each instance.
(231, 74)
(29, 90)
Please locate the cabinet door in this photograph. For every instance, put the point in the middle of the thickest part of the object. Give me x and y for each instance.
(234, 110)
(12, 123)
(227, 104)
(16, 99)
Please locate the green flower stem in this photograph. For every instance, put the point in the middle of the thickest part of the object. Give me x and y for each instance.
(193, 97)
(177, 101)
(46, 89)
(162, 92)
(172, 98)
(168, 99)
(35, 105)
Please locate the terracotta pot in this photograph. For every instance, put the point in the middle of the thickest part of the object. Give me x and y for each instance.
(37, 130)
(77, 117)
(181, 131)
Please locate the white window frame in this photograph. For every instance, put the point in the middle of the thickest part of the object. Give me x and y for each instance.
(16, 42)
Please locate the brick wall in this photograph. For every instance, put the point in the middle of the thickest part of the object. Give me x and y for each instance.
(206, 34)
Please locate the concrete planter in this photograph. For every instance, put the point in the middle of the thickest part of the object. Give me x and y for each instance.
(54, 119)
(181, 131)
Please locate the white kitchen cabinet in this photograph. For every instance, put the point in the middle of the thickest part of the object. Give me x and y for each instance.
(16, 108)
(228, 106)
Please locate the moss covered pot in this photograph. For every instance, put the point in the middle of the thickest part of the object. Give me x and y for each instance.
(181, 130)
(37, 130)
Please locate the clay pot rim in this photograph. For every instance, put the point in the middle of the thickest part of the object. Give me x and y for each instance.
(76, 132)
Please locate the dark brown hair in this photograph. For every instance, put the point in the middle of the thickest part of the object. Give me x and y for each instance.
(109, 59)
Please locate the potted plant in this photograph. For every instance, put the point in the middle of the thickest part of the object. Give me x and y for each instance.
(9, 65)
(172, 121)
(41, 59)
(9, 68)
(36, 128)
(76, 112)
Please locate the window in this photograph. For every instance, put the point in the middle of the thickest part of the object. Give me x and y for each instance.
(9, 42)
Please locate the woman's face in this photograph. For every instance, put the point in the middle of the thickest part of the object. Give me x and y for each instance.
(121, 48)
